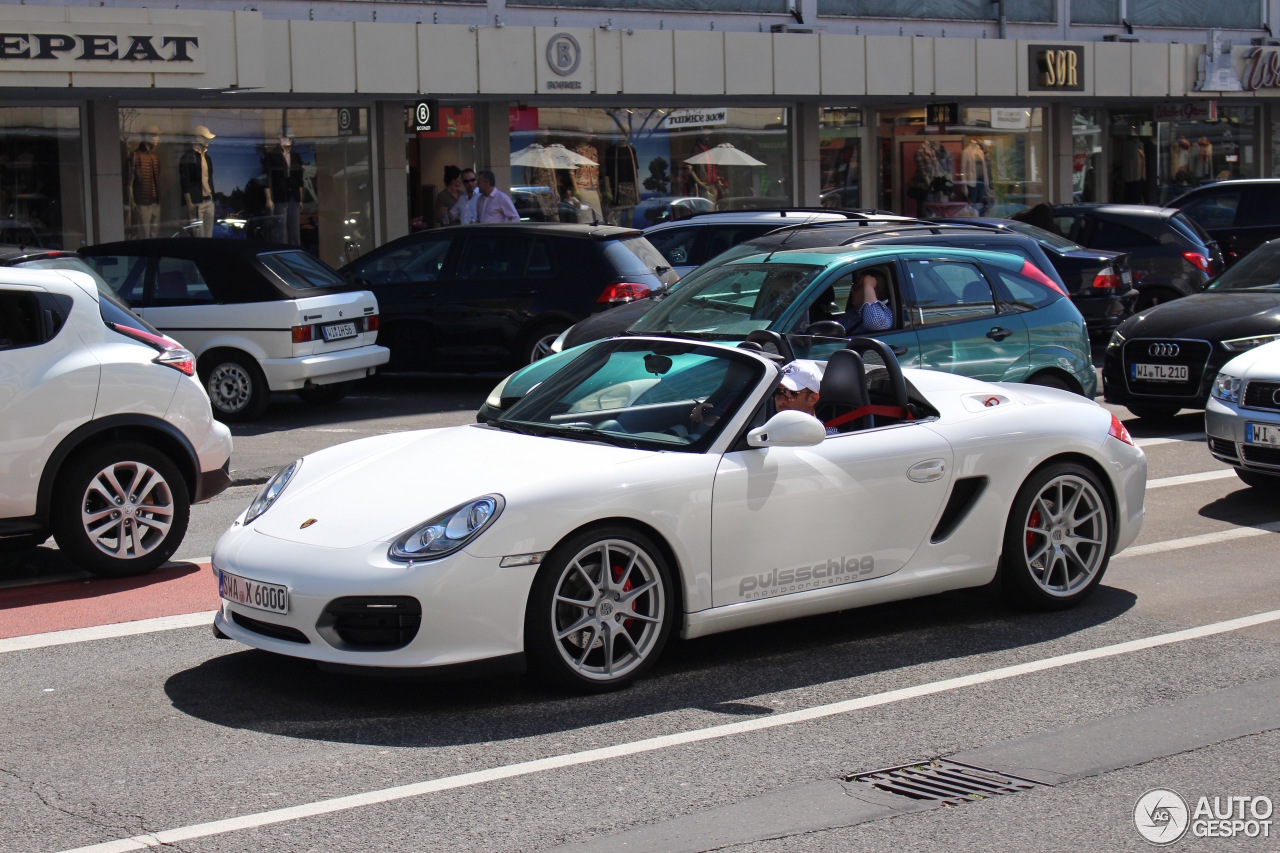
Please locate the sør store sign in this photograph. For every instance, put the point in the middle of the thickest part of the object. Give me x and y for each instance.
(100, 47)
(1055, 69)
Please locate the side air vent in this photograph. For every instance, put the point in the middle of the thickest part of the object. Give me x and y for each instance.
(964, 494)
(943, 782)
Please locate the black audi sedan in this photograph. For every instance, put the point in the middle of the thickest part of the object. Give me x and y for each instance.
(1165, 359)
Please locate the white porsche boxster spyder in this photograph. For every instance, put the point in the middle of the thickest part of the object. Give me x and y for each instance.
(651, 486)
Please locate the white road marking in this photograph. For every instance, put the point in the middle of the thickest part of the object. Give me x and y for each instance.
(1169, 439)
(1197, 541)
(106, 632)
(1184, 479)
(555, 762)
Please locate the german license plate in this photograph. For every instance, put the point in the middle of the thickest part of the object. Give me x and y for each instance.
(1126, 277)
(1261, 434)
(1159, 372)
(270, 597)
(338, 331)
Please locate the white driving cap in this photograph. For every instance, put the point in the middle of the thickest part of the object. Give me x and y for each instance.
(802, 374)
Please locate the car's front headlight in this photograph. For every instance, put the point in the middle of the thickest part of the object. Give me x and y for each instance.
(271, 490)
(1226, 388)
(1242, 344)
(1117, 339)
(447, 532)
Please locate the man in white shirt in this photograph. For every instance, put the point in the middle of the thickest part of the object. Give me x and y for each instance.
(464, 211)
(494, 205)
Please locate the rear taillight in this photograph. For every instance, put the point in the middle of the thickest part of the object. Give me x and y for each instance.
(623, 291)
(171, 352)
(302, 334)
(1119, 431)
(1034, 273)
(1199, 261)
(1107, 279)
(371, 323)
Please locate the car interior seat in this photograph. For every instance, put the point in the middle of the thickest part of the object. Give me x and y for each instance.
(844, 390)
(976, 293)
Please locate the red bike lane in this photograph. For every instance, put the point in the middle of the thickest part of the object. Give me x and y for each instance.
(172, 590)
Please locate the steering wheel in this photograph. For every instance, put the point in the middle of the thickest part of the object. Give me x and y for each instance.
(896, 381)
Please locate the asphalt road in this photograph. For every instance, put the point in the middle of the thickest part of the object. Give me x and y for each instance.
(739, 741)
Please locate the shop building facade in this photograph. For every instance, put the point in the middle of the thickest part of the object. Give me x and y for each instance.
(330, 126)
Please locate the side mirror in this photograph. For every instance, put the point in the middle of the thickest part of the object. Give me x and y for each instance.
(788, 429)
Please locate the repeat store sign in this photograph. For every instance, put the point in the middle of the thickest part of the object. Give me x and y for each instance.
(151, 48)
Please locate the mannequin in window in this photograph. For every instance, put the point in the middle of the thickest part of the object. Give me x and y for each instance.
(284, 189)
(195, 180)
(1202, 159)
(1134, 170)
(1180, 159)
(977, 175)
(144, 184)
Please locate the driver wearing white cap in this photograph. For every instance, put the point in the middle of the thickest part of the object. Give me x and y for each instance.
(798, 389)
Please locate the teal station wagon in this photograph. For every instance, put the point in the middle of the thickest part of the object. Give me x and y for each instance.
(989, 315)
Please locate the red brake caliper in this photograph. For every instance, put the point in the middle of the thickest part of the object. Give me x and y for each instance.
(1033, 521)
(626, 587)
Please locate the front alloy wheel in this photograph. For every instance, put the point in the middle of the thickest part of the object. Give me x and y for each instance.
(1058, 540)
(122, 511)
(600, 610)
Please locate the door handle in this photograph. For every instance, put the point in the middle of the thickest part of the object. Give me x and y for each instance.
(899, 350)
(999, 333)
(927, 471)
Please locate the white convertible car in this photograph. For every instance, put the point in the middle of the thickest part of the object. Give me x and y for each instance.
(650, 487)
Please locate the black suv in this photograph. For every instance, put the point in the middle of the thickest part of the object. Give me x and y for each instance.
(1239, 215)
(477, 297)
(1169, 254)
(870, 231)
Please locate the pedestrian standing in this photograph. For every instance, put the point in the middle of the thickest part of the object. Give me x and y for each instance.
(464, 211)
(449, 196)
(494, 205)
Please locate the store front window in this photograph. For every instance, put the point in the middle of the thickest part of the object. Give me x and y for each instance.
(839, 150)
(42, 177)
(641, 166)
(436, 161)
(297, 176)
(1158, 155)
(1086, 154)
(990, 164)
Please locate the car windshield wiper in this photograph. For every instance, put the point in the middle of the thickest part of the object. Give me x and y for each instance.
(511, 426)
(589, 433)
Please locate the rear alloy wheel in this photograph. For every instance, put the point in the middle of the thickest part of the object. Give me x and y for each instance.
(538, 343)
(1258, 480)
(121, 510)
(600, 611)
(1058, 539)
(1051, 380)
(237, 389)
(325, 394)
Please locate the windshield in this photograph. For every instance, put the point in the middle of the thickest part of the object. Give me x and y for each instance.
(657, 395)
(731, 301)
(1043, 237)
(299, 270)
(1258, 271)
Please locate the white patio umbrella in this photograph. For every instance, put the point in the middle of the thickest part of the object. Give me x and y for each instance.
(724, 154)
(549, 157)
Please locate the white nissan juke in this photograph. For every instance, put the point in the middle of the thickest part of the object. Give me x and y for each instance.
(651, 486)
(106, 437)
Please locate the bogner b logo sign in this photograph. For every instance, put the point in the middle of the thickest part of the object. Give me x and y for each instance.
(1056, 69)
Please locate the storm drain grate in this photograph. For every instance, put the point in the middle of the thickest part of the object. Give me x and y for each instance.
(943, 782)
